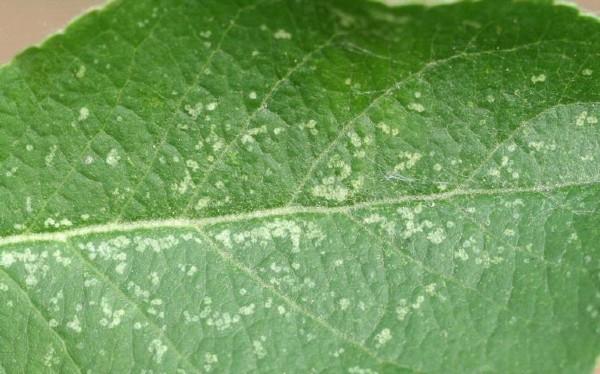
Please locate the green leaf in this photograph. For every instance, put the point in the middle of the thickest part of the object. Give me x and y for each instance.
(303, 186)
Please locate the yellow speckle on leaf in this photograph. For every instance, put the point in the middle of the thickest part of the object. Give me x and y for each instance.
(282, 34)
(538, 78)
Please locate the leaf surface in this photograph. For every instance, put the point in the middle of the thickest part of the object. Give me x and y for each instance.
(286, 186)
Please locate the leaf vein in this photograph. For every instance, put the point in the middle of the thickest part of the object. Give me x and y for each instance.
(63, 236)
(229, 258)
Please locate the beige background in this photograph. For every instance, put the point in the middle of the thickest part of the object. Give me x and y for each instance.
(26, 22)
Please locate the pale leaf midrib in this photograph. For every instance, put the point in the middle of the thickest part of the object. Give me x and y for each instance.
(192, 223)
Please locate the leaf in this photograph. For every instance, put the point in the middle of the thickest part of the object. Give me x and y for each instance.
(285, 186)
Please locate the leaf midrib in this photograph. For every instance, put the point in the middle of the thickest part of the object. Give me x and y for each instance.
(183, 223)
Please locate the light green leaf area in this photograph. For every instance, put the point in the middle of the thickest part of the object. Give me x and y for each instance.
(303, 187)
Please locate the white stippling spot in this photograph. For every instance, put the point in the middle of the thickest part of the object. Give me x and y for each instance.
(252, 95)
(359, 370)
(383, 127)
(580, 121)
(113, 157)
(430, 288)
(225, 238)
(338, 352)
(509, 232)
(494, 172)
(184, 184)
(194, 111)
(311, 125)
(7, 259)
(49, 159)
(189, 270)
(74, 324)
(437, 236)
(538, 78)
(50, 359)
(383, 337)
(211, 106)
(344, 304)
(154, 278)
(158, 350)
(282, 34)
(209, 360)
(409, 160)
(112, 318)
(418, 302)
(247, 310)
(81, 72)
(584, 118)
(202, 203)
(144, 243)
(332, 187)
(259, 349)
(346, 20)
(58, 257)
(329, 191)
(587, 72)
(248, 137)
(193, 165)
(84, 113)
(12, 172)
(402, 310)
(537, 146)
(355, 139)
(416, 107)
(56, 223)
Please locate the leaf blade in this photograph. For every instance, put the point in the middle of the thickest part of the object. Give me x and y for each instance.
(430, 168)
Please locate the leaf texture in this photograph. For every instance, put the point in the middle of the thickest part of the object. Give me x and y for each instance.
(303, 186)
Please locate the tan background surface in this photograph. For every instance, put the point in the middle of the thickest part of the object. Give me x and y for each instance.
(26, 22)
